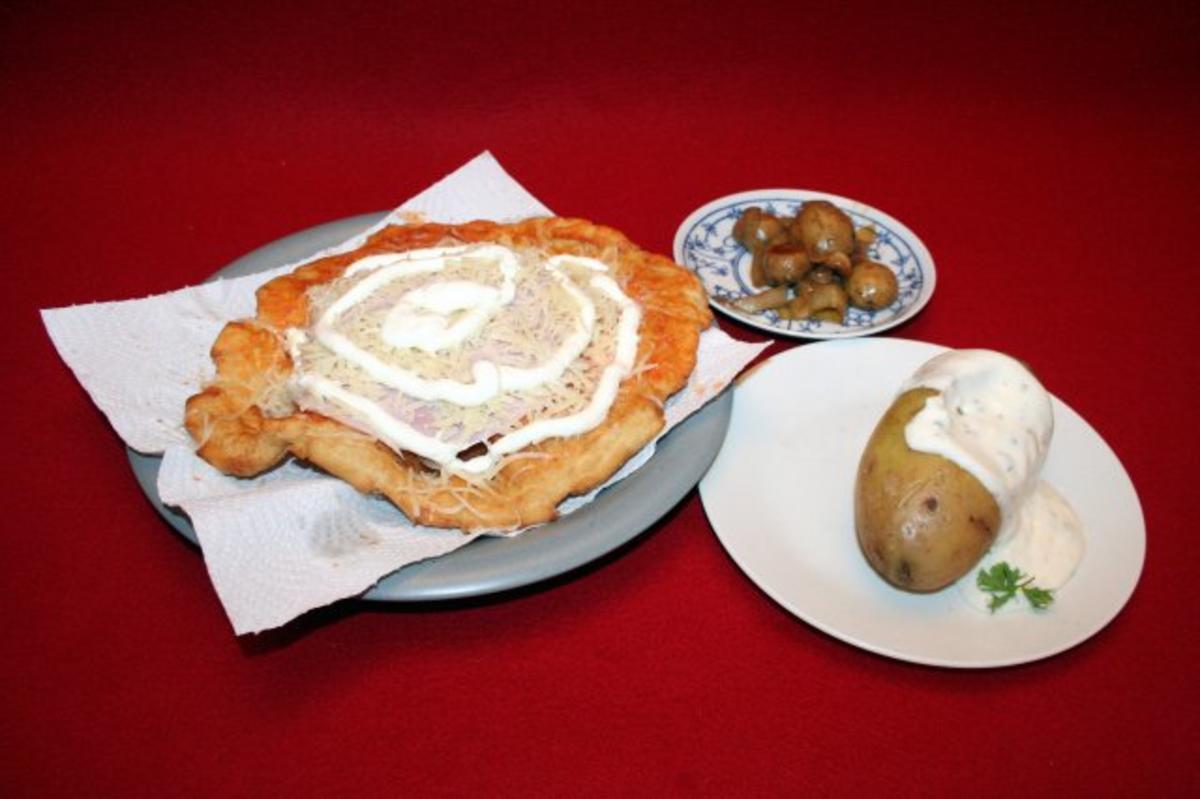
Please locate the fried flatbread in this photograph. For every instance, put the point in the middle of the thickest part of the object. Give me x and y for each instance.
(245, 421)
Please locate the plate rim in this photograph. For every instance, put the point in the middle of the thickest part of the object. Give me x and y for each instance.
(773, 591)
(925, 257)
(692, 446)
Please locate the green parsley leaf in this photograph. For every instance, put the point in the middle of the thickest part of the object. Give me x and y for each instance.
(1003, 582)
(1039, 598)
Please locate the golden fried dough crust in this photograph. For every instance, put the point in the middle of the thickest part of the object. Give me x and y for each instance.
(237, 434)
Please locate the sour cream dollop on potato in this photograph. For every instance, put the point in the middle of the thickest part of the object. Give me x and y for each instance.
(994, 419)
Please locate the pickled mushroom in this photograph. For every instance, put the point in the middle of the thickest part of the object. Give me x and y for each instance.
(839, 262)
(756, 230)
(828, 302)
(816, 264)
(756, 227)
(823, 229)
(762, 301)
(800, 306)
(872, 286)
(820, 275)
(785, 263)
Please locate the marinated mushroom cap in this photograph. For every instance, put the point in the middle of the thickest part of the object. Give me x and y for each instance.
(756, 228)
(785, 263)
(823, 229)
(872, 286)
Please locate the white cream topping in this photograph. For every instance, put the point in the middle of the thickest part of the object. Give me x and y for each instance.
(992, 418)
(432, 331)
(395, 434)
(440, 316)
(519, 379)
(606, 391)
(995, 420)
(453, 320)
(1048, 542)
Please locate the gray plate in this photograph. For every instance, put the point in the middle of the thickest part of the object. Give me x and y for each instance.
(492, 564)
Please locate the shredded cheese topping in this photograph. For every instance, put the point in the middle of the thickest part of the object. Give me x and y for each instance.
(466, 355)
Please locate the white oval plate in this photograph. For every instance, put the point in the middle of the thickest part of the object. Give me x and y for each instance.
(704, 243)
(780, 498)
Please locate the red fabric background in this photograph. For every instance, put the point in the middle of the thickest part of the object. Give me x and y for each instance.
(1044, 152)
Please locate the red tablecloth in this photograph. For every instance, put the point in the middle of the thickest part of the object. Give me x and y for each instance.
(1046, 155)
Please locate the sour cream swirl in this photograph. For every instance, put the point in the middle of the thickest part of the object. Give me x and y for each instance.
(450, 306)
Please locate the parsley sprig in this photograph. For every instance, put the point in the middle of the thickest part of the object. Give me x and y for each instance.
(1003, 582)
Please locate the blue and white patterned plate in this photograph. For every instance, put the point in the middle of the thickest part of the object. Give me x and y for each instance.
(704, 243)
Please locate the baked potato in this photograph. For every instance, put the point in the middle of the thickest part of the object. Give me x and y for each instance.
(922, 521)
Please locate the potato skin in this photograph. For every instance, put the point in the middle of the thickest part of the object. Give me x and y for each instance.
(922, 521)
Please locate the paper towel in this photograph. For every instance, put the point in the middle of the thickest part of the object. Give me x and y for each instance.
(294, 539)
